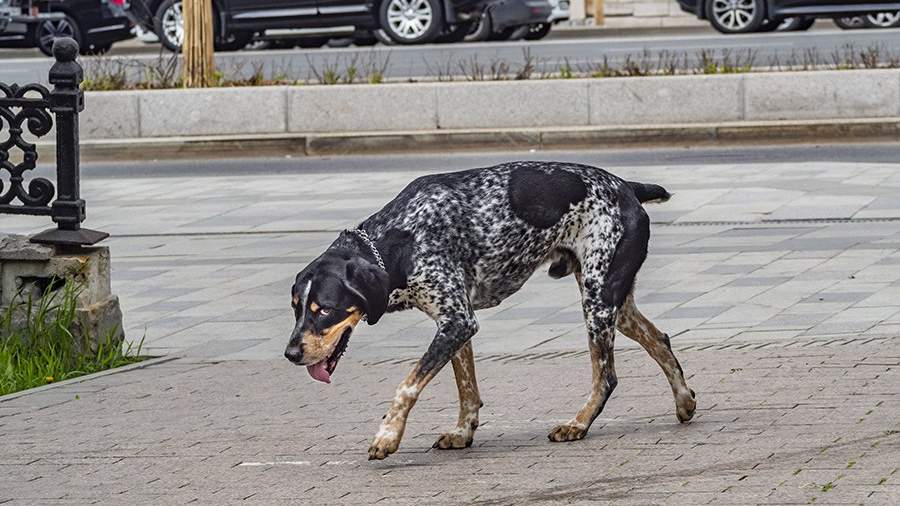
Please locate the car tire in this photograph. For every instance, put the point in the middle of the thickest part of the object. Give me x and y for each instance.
(882, 20)
(481, 30)
(798, 24)
(51, 29)
(850, 22)
(742, 16)
(538, 31)
(411, 21)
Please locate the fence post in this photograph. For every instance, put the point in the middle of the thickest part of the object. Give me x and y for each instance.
(66, 101)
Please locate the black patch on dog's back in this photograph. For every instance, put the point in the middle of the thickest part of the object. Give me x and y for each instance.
(541, 198)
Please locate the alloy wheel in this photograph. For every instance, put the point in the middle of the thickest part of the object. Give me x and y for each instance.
(172, 24)
(409, 19)
(883, 19)
(734, 15)
(50, 30)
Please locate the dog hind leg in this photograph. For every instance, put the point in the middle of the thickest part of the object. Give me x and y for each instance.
(636, 326)
(469, 401)
(600, 320)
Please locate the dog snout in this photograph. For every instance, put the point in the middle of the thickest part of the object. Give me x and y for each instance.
(294, 353)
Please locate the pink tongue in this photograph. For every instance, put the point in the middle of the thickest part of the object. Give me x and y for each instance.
(318, 372)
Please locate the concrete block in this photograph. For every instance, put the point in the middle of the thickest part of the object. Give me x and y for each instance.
(362, 108)
(110, 115)
(820, 95)
(513, 104)
(29, 271)
(660, 100)
(213, 111)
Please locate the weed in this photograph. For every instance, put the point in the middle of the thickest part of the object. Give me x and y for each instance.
(37, 346)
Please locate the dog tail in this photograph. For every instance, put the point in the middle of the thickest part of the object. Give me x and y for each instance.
(649, 192)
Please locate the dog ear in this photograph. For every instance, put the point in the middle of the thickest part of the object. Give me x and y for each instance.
(370, 284)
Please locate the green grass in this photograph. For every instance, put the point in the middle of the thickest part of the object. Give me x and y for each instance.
(42, 349)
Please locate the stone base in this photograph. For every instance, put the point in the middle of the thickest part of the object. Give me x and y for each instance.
(29, 270)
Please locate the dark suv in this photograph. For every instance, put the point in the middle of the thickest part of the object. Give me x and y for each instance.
(236, 21)
(94, 24)
(745, 16)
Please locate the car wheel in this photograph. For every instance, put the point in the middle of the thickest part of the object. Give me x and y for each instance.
(735, 16)
(798, 24)
(51, 29)
(411, 21)
(883, 20)
(850, 23)
(169, 24)
(481, 30)
(538, 31)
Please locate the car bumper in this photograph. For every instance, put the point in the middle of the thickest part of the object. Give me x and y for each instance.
(507, 13)
(560, 11)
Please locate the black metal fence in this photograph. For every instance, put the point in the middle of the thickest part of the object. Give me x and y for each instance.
(33, 107)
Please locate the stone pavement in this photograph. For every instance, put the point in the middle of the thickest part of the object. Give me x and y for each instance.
(774, 425)
(778, 282)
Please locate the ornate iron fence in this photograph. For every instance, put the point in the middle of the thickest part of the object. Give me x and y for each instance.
(34, 107)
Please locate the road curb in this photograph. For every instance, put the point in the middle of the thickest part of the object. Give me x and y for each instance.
(278, 145)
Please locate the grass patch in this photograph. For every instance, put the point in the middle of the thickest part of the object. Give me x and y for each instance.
(37, 346)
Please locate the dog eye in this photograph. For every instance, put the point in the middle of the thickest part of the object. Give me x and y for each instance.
(324, 311)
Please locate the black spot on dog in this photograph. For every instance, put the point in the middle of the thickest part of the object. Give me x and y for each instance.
(541, 198)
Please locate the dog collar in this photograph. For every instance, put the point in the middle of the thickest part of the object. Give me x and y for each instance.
(365, 238)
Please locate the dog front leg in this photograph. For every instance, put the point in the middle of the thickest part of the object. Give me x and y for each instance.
(469, 402)
(452, 334)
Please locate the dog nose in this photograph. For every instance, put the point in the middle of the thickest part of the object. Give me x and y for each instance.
(293, 353)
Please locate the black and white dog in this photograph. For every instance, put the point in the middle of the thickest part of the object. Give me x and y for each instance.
(451, 244)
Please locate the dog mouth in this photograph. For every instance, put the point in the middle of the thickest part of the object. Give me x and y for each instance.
(322, 371)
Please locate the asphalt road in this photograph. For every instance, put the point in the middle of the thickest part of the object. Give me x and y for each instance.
(579, 53)
(850, 153)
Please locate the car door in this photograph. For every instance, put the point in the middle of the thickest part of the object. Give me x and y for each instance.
(275, 11)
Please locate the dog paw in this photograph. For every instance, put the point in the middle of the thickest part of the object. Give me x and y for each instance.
(684, 408)
(567, 432)
(453, 441)
(382, 447)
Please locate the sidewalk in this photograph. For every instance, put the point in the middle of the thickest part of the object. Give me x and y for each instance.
(773, 425)
(779, 284)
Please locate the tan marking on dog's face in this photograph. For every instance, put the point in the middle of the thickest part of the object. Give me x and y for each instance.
(317, 348)
(314, 307)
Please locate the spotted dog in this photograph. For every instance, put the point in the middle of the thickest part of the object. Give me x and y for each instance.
(451, 244)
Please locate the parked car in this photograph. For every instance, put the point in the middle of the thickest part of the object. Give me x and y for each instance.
(237, 21)
(745, 16)
(94, 24)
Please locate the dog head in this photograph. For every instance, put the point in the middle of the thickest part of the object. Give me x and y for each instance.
(330, 296)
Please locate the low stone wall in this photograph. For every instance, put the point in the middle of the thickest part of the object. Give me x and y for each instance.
(500, 104)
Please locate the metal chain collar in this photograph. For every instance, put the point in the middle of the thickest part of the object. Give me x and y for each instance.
(365, 237)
